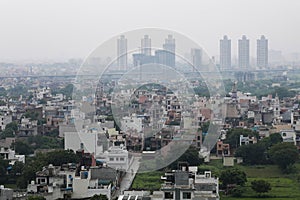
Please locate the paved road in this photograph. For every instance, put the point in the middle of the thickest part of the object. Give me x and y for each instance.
(129, 176)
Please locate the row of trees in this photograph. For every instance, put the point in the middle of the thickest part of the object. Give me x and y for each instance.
(32, 143)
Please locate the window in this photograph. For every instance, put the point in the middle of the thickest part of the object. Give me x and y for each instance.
(284, 134)
(187, 195)
(121, 159)
(168, 195)
(111, 159)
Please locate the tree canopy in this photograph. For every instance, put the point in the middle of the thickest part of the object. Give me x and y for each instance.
(191, 156)
(99, 197)
(252, 154)
(260, 186)
(284, 155)
(233, 176)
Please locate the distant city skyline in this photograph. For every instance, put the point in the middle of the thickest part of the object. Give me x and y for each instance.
(244, 59)
(55, 30)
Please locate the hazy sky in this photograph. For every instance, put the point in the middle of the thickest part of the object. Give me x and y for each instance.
(58, 30)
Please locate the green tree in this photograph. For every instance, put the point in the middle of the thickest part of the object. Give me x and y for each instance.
(36, 198)
(237, 191)
(260, 186)
(54, 133)
(33, 165)
(23, 148)
(273, 139)
(17, 168)
(191, 156)
(59, 157)
(205, 127)
(3, 92)
(233, 176)
(99, 197)
(2, 103)
(45, 142)
(283, 92)
(284, 155)
(31, 115)
(67, 90)
(12, 125)
(3, 166)
(252, 154)
(8, 132)
(18, 90)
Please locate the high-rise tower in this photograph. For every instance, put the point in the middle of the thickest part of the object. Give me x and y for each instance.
(122, 53)
(196, 55)
(169, 47)
(146, 45)
(225, 53)
(262, 52)
(244, 55)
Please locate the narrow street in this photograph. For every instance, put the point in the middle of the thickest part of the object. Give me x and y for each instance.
(128, 178)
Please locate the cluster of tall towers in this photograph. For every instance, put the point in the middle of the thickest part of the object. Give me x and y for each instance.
(243, 53)
(164, 56)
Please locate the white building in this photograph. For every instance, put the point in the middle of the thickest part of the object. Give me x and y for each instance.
(132, 123)
(225, 53)
(146, 45)
(262, 52)
(4, 120)
(116, 157)
(288, 136)
(10, 155)
(87, 186)
(196, 56)
(90, 140)
(6, 193)
(200, 186)
(245, 140)
(243, 53)
(41, 93)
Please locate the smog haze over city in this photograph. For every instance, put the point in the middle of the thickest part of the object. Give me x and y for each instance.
(149, 100)
(60, 30)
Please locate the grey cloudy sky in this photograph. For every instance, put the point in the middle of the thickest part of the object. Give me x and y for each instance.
(58, 30)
